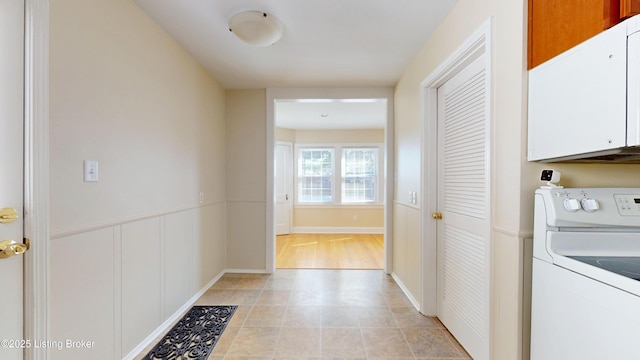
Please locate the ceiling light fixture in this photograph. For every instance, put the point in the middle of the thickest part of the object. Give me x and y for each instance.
(256, 28)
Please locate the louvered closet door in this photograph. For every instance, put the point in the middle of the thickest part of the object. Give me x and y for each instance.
(463, 233)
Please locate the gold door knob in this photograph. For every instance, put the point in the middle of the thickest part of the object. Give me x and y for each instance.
(437, 215)
(8, 248)
(8, 215)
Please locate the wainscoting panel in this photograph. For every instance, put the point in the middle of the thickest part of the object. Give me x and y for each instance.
(141, 276)
(210, 257)
(246, 235)
(118, 284)
(178, 261)
(406, 248)
(82, 289)
(400, 267)
(412, 257)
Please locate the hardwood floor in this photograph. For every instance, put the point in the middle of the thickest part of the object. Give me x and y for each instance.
(330, 251)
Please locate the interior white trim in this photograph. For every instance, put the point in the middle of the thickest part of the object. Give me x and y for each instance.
(517, 234)
(475, 45)
(289, 186)
(406, 291)
(166, 325)
(115, 222)
(270, 205)
(410, 206)
(244, 271)
(330, 93)
(36, 202)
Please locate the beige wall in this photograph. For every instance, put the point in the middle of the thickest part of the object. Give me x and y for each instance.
(465, 18)
(123, 93)
(339, 218)
(283, 134)
(508, 335)
(330, 136)
(339, 136)
(246, 175)
(513, 178)
(508, 86)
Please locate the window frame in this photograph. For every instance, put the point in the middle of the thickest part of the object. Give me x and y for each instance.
(337, 177)
(375, 175)
(298, 176)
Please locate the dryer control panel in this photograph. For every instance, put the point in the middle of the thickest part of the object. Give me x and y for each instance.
(591, 207)
(628, 204)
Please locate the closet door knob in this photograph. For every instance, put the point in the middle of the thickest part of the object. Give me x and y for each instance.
(8, 215)
(9, 248)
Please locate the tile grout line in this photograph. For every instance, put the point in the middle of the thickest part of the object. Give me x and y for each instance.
(449, 336)
(328, 303)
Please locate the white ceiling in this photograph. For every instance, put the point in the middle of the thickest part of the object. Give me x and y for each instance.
(326, 43)
(343, 114)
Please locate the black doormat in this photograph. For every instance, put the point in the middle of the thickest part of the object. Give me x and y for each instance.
(195, 335)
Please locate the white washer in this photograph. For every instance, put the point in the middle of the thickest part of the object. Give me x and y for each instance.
(586, 262)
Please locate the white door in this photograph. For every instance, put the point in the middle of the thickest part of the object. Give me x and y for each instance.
(463, 200)
(11, 177)
(283, 181)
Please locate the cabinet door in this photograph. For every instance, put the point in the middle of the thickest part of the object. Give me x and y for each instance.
(629, 8)
(577, 100)
(558, 25)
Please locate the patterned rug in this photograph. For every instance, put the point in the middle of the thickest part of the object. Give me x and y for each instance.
(195, 335)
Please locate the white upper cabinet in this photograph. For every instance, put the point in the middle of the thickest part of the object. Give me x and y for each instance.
(577, 100)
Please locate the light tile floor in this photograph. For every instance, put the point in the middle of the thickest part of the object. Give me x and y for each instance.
(324, 314)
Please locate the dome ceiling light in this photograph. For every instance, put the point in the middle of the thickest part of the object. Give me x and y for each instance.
(256, 28)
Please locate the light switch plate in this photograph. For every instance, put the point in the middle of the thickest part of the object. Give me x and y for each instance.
(413, 197)
(90, 171)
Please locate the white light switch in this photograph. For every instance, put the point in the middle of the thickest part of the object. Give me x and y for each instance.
(413, 197)
(90, 171)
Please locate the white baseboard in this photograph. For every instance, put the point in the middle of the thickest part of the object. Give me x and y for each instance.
(176, 315)
(245, 271)
(404, 289)
(336, 230)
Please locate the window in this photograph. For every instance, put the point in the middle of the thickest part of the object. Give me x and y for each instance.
(359, 175)
(315, 176)
(337, 174)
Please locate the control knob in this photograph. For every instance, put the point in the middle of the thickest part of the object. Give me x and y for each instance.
(571, 204)
(590, 204)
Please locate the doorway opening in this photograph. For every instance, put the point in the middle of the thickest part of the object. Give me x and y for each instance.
(330, 251)
(330, 190)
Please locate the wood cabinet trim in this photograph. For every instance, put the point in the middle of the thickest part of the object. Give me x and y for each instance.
(629, 8)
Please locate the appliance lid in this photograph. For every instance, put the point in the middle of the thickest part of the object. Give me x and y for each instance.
(572, 251)
(628, 266)
(625, 155)
(603, 275)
